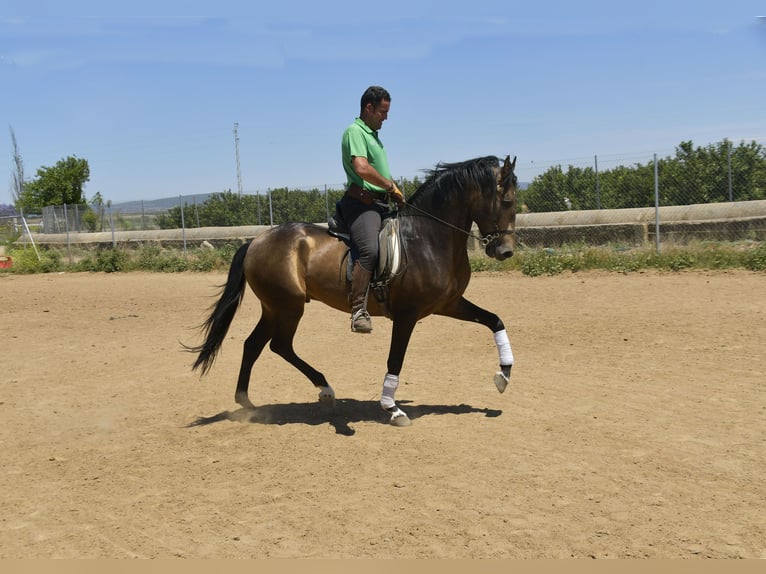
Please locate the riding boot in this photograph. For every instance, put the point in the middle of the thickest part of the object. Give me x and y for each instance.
(360, 284)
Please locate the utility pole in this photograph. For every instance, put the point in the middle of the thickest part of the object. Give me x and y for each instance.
(236, 151)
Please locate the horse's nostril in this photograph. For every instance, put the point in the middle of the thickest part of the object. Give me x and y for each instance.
(503, 254)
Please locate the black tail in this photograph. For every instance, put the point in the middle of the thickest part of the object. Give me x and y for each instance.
(217, 325)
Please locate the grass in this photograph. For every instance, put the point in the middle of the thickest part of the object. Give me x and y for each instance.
(110, 260)
(620, 259)
(532, 262)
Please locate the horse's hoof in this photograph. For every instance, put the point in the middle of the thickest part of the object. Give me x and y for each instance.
(327, 397)
(243, 400)
(399, 417)
(401, 420)
(501, 381)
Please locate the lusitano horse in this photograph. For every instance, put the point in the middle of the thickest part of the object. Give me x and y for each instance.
(293, 263)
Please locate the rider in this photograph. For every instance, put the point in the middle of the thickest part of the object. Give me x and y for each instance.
(369, 186)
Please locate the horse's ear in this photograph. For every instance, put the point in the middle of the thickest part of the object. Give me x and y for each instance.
(508, 168)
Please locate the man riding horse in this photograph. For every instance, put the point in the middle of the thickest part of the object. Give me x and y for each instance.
(369, 187)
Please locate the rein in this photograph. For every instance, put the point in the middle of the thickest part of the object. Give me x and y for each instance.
(484, 240)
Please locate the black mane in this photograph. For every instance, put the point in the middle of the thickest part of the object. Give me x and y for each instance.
(447, 178)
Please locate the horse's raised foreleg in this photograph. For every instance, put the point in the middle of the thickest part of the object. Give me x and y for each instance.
(464, 310)
(400, 339)
(282, 345)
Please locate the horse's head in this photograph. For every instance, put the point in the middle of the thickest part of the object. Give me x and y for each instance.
(479, 191)
(497, 223)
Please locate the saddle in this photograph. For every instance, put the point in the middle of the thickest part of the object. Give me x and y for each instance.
(390, 253)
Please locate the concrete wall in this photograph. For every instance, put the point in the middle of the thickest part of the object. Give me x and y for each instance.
(167, 237)
(678, 224)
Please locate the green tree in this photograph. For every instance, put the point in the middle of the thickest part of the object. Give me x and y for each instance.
(693, 175)
(409, 187)
(748, 168)
(224, 209)
(701, 174)
(546, 192)
(628, 186)
(57, 185)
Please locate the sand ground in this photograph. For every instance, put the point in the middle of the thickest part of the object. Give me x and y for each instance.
(634, 425)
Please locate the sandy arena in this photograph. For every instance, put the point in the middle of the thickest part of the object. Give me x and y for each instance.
(634, 425)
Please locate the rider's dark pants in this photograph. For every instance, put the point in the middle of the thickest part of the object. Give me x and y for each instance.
(364, 222)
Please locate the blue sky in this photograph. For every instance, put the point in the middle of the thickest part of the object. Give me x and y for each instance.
(149, 92)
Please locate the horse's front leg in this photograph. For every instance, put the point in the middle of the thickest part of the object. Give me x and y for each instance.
(400, 338)
(464, 310)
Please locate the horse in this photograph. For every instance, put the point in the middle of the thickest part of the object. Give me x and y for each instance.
(291, 264)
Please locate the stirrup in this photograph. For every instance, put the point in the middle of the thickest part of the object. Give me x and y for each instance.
(361, 314)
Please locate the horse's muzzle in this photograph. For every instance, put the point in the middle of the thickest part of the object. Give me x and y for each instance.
(500, 250)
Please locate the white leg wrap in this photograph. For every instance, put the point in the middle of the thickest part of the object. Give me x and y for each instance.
(504, 348)
(327, 396)
(389, 390)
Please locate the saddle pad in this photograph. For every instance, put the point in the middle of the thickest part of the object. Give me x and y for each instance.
(389, 244)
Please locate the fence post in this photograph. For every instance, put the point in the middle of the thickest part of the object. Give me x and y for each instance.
(656, 205)
(728, 161)
(66, 228)
(183, 222)
(111, 223)
(271, 213)
(598, 186)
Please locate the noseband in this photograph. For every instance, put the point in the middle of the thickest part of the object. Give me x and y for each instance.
(489, 238)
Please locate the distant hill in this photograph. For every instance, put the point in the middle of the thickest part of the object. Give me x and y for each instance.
(159, 205)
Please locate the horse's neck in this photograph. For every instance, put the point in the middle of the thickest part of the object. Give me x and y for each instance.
(449, 223)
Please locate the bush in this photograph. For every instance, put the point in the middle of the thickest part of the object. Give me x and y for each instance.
(678, 261)
(90, 221)
(541, 263)
(755, 259)
(26, 261)
(531, 262)
(104, 260)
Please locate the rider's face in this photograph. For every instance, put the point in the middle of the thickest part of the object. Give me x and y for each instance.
(374, 116)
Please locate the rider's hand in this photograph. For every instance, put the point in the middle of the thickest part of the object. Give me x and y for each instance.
(397, 195)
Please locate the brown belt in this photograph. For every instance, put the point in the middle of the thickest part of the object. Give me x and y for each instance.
(364, 195)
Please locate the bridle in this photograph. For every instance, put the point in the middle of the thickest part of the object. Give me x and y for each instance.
(486, 239)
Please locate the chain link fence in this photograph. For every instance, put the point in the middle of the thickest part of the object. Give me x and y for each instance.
(712, 193)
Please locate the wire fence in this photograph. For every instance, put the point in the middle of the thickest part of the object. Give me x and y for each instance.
(590, 197)
(270, 207)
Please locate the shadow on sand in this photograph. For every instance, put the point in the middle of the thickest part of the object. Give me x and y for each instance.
(346, 411)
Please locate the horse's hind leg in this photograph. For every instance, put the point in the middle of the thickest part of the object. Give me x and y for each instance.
(282, 344)
(253, 346)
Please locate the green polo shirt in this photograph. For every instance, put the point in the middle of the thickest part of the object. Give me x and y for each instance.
(359, 140)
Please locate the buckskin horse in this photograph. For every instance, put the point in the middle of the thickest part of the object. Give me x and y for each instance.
(290, 264)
